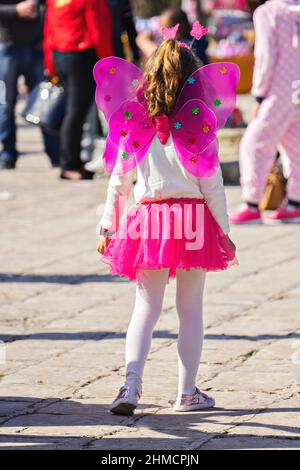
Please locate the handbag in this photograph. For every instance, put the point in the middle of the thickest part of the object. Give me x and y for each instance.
(275, 190)
(46, 106)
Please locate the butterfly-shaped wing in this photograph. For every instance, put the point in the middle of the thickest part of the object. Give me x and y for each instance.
(198, 30)
(130, 136)
(170, 33)
(215, 84)
(194, 129)
(117, 80)
(203, 164)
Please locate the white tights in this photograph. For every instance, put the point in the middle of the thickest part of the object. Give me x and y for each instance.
(149, 298)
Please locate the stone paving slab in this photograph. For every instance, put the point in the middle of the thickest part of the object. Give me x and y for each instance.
(63, 319)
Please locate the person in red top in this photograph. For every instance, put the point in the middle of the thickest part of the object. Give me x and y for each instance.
(77, 33)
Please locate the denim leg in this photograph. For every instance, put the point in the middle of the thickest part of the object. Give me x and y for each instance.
(9, 73)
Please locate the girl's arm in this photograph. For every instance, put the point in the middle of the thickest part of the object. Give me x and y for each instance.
(118, 191)
(213, 191)
(265, 51)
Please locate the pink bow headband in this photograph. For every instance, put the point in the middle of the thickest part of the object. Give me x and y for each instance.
(196, 32)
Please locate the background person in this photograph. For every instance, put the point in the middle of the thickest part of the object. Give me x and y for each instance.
(276, 117)
(77, 32)
(20, 54)
(148, 41)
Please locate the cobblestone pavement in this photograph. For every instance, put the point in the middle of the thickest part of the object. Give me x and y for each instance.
(64, 319)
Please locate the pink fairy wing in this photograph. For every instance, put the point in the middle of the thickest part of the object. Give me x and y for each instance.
(203, 164)
(130, 136)
(194, 129)
(117, 80)
(215, 84)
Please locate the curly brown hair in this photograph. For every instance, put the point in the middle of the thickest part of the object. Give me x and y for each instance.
(166, 72)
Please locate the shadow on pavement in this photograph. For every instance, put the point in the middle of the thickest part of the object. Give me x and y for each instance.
(55, 413)
(59, 279)
(164, 334)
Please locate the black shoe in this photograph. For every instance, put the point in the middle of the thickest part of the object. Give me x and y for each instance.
(84, 175)
(87, 175)
(7, 162)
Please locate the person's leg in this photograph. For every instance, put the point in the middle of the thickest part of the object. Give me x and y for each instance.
(258, 151)
(52, 147)
(189, 300)
(291, 158)
(149, 298)
(76, 72)
(91, 130)
(289, 211)
(9, 72)
(189, 303)
(259, 146)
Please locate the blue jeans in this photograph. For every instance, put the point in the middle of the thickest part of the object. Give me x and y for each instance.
(15, 61)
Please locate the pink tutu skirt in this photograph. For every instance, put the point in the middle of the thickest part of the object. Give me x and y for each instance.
(173, 233)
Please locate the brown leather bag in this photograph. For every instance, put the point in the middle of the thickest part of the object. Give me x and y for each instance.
(275, 190)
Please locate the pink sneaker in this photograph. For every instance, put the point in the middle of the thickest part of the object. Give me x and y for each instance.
(246, 215)
(126, 400)
(286, 214)
(197, 401)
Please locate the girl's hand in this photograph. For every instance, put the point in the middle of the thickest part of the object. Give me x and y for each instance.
(103, 244)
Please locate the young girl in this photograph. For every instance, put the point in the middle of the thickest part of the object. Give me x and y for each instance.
(179, 226)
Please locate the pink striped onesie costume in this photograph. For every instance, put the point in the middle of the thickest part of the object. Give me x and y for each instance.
(277, 80)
